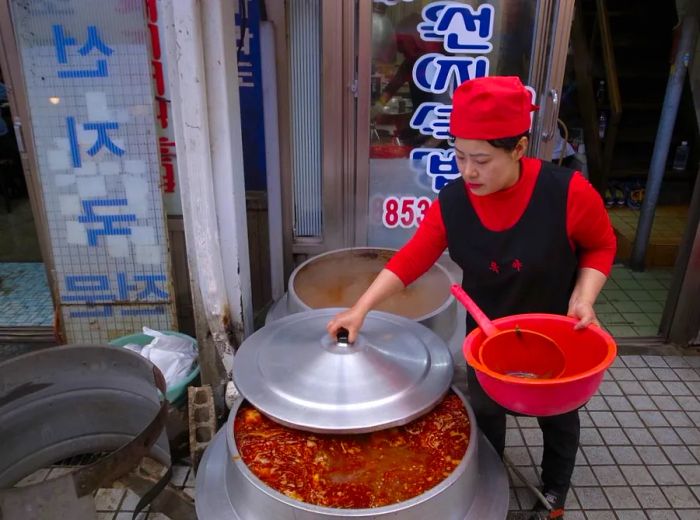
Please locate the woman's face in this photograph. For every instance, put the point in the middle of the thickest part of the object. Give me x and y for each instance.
(485, 168)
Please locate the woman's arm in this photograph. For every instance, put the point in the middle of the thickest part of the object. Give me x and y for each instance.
(384, 285)
(588, 285)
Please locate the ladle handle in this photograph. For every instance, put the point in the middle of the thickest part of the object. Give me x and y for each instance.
(481, 319)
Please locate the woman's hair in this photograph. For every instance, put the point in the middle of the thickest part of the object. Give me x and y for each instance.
(508, 143)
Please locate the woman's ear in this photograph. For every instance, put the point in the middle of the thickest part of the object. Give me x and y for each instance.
(520, 148)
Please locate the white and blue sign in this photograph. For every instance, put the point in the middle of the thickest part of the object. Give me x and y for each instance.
(87, 72)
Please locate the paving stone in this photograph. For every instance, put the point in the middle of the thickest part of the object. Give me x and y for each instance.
(680, 497)
(609, 388)
(629, 419)
(631, 514)
(631, 388)
(618, 403)
(513, 504)
(643, 374)
(591, 498)
(621, 497)
(531, 422)
(678, 389)
(532, 436)
(622, 374)
(655, 361)
(633, 361)
(694, 387)
(678, 419)
(603, 419)
(585, 419)
(179, 475)
(665, 374)
(663, 514)
(518, 455)
(625, 455)
(690, 473)
(694, 416)
(655, 388)
(650, 496)
(597, 455)
(689, 435)
(609, 476)
(676, 361)
(666, 402)
(679, 455)
(653, 418)
(583, 476)
(614, 436)
(687, 374)
(108, 499)
(642, 402)
(590, 437)
(665, 436)
(596, 403)
(637, 475)
(513, 437)
(536, 453)
(640, 437)
(652, 455)
(666, 476)
(689, 514)
(600, 515)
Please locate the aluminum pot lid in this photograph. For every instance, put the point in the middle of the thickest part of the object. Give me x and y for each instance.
(296, 374)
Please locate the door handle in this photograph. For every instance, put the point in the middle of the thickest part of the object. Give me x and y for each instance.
(551, 126)
(17, 125)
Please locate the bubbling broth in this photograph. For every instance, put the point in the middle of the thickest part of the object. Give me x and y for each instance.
(338, 280)
(355, 471)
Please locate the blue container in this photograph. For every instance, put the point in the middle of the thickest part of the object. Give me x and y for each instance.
(176, 393)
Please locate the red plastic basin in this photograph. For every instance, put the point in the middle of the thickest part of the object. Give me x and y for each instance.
(588, 353)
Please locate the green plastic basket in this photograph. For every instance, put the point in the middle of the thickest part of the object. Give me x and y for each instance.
(176, 393)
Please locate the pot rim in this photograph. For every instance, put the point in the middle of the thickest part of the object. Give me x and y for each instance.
(450, 300)
(470, 456)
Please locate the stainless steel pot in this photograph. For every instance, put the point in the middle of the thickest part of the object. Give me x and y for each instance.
(337, 278)
(227, 490)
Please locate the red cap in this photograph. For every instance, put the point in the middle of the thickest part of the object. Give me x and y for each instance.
(493, 107)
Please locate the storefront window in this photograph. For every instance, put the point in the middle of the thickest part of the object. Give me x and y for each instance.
(421, 51)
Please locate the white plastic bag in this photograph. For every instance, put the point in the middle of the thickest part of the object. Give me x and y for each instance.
(173, 355)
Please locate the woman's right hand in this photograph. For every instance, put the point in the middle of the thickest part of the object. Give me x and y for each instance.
(350, 319)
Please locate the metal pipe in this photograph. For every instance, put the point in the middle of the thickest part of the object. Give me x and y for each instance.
(674, 89)
(272, 159)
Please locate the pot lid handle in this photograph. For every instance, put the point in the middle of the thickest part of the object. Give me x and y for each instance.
(343, 337)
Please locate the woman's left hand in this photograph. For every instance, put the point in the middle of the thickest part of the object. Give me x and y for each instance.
(584, 312)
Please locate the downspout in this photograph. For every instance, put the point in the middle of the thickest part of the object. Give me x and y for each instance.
(674, 89)
(207, 132)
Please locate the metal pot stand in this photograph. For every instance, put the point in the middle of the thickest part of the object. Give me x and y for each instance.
(65, 401)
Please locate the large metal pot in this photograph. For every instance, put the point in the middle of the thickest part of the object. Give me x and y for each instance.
(292, 371)
(337, 278)
(228, 490)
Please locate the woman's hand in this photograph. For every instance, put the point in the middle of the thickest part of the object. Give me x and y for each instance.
(584, 312)
(350, 319)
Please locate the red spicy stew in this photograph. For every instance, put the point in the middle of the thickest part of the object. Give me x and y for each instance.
(355, 471)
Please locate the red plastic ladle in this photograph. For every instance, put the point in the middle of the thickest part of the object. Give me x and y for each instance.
(514, 352)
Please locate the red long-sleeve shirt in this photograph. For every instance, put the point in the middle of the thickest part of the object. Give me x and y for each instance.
(587, 224)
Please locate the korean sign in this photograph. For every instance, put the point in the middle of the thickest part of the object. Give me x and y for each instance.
(88, 78)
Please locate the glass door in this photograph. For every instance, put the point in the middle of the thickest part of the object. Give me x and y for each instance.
(411, 57)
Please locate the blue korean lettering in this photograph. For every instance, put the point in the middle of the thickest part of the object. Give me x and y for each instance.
(156, 310)
(106, 221)
(432, 119)
(87, 288)
(442, 168)
(437, 73)
(460, 27)
(102, 138)
(73, 140)
(62, 42)
(101, 311)
(150, 286)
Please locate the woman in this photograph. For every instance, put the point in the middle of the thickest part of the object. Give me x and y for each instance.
(529, 237)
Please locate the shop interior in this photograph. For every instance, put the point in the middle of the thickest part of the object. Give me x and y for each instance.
(25, 299)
